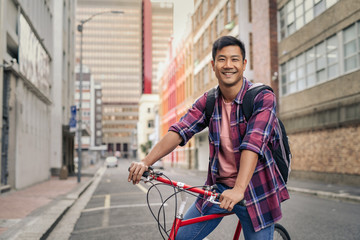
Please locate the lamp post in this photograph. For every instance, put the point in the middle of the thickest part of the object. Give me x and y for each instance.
(80, 29)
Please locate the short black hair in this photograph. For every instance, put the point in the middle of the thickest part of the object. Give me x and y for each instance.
(225, 41)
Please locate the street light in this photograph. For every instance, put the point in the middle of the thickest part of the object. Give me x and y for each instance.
(80, 29)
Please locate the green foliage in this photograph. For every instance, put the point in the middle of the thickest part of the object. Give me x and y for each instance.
(145, 148)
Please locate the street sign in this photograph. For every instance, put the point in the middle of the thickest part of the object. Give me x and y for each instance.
(73, 110)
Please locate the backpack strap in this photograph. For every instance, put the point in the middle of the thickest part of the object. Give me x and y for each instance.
(248, 100)
(210, 103)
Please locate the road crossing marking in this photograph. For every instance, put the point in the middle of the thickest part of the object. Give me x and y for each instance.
(106, 216)
(122, 206)
(107, 201)
(142, 188)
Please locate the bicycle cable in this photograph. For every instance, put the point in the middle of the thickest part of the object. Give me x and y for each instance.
(177, 190)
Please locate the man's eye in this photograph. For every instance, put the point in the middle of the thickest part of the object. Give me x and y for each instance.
(235, 59)
(221, 59)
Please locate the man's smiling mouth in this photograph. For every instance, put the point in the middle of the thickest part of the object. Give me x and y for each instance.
(228, 73)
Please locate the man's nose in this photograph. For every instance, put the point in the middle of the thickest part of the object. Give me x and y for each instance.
(228, 63)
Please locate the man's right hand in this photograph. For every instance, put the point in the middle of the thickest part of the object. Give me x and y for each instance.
(136, 171)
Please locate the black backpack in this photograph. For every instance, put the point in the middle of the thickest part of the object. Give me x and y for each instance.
(282, 154)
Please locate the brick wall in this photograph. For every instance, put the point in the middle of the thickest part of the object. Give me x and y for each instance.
(329, 151)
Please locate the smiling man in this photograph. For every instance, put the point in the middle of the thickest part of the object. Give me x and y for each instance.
(240, 160)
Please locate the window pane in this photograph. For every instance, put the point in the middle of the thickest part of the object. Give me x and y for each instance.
(320, 49)
(291, 29)
(349, 33)
(298, 2)
(331, 43)
(300, 59)
(292, 87)
(311, 80)
(350, 48)
(319, 7)
(320, 62)
(299, 22)
(301, 84)
(309, 15)
(308, 4)
(350, 63)
(290, 5)
(292, 76)
(284, 90)
(310, 54)
(299, 11)
(292, 64)
(310, 67)
(333, 71)
(290, 17)
(300, 72)
(321, 75)
(332, 57)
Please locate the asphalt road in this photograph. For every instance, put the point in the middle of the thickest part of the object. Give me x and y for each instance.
(118, 210)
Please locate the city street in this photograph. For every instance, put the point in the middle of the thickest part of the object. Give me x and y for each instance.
(118, 210)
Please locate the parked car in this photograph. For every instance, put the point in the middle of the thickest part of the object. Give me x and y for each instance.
(111, 162)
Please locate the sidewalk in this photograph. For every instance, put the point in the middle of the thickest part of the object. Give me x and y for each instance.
(31, 213)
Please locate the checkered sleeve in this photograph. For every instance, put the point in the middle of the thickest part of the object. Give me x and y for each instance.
(192, 122)
(261, 124)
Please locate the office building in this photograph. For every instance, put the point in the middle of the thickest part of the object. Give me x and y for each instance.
(36, 79)
(319, 70)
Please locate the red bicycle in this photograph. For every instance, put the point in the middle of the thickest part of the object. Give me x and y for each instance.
(207, 192)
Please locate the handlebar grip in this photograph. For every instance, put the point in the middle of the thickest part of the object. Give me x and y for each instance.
(241, 203)
(146, 173)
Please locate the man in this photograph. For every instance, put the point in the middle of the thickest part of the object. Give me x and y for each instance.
(241, 163)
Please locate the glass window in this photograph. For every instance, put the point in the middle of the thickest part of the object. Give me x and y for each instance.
(350, 51)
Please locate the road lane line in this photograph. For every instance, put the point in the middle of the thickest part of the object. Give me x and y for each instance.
(107, 201)
(122, 206)
(142, 188)
(106, 216)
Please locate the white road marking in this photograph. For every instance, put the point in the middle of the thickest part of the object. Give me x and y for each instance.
(122, 206)
(142, 188)
(106, 216)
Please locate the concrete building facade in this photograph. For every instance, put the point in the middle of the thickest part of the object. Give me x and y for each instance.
(35, 86)
(319, 66)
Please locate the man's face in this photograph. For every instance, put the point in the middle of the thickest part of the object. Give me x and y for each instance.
(229, 66)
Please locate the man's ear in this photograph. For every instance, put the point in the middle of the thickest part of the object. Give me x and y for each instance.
(213, 65)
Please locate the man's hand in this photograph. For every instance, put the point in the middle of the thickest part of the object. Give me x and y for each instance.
(136, 170)
(229, 198)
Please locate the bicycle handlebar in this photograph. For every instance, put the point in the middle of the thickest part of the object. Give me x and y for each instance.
(157, 176)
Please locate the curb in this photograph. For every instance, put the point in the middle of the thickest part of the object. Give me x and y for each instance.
(40, 223)
(340, 196)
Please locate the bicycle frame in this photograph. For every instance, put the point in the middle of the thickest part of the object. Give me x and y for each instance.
(179, 222)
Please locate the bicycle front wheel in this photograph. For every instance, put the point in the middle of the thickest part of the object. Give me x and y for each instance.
(280, 233)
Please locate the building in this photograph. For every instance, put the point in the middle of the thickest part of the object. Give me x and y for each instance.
(162, 29)
(87, 112)
(123, 52)
(112, 49)
(96, 114)
(319, 71)
(62, 139)
(36, 80)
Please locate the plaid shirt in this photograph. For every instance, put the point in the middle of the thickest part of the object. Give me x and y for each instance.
(266, 189)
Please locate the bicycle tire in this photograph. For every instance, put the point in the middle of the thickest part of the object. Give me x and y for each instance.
(280, 233)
